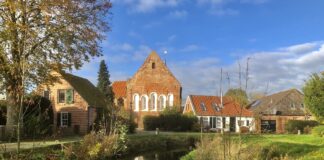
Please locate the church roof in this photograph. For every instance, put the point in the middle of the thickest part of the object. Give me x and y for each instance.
(210, 106)
(85, 89)
(119, 88)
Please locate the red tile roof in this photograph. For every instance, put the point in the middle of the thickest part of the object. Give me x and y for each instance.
(119, 88)
(231, 108)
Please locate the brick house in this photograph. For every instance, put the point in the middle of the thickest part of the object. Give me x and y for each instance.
(217, 114)
(74, 101)
(275, 110)
(152, 88)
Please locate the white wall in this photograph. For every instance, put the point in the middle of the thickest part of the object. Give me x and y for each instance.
(227, 122)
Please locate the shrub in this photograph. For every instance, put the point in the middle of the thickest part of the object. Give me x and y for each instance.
(98, 145)
(318, 131)
(170, 120)
(292, 126)
(3, 112)
(244, 129)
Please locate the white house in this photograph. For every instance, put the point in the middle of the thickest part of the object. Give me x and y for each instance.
(218, 113)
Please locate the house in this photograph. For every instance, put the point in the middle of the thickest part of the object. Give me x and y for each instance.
(275, 110)
(218, 113)
(74, 101)
(152, 88)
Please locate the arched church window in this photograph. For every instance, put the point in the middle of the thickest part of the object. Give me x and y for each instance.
(144, 102)
(153, 98)
(162, 102)
(136, 102)
(170, 100)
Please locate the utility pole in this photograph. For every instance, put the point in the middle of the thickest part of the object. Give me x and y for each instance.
(240, 74)
(221, 87)
(247, 73)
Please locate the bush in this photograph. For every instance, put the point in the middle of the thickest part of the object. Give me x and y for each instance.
(38, 116)
(292, 126)
(170, 120)
(318, 131)
(3, 112)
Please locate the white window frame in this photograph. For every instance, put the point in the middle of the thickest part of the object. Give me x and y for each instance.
(136, 102)
(146, 103)
(170, 99)
(63, 118)
(155, 101)
(163, 103)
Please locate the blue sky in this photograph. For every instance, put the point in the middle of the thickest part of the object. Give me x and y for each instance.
(283, 38)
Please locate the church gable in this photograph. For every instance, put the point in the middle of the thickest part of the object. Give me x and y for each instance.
(154, 71)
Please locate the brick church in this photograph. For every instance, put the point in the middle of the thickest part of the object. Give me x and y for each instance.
(152, 88)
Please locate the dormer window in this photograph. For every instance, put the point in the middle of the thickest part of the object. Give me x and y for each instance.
(202, 106)
(216, 107)
(153, 65)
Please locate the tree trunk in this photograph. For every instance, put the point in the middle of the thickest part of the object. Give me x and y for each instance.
(12, 117)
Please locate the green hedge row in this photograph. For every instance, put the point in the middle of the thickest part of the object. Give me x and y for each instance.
(292, 126)
(170, 122)
(318, 131)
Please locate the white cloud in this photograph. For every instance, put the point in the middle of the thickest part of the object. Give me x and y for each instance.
(281, 69)
(190, 48)
(221, 7)
(147, 5)
(178, 14)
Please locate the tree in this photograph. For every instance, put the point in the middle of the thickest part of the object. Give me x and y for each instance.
(314, 95)
(238, 95)
(40, 36)
(104, 86)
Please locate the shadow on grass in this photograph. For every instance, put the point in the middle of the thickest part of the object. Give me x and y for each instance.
(282, 149)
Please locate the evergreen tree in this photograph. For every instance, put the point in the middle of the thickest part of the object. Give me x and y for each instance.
(104, 84)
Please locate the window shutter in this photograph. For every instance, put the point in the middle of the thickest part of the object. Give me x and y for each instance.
(69, 96)
(58, 119)
(69, 119)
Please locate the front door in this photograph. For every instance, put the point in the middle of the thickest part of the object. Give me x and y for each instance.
(232, 124)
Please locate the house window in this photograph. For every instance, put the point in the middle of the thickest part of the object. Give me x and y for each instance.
(65, 96)
(202, 106)
(64, 119)
(218, 122)
(216, 107)
(240, 123)
(61, 96)
(205, 121)
(46, 94)
(144, 103)
(153, 65)
(247, 123)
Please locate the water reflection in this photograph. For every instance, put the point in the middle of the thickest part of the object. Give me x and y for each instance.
(160, 155)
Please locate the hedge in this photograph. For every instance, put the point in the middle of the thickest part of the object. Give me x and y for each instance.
(292, 126)
(170, 122)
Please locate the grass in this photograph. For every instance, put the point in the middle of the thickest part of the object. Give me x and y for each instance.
(300, 147)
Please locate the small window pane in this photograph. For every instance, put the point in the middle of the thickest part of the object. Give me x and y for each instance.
(64, 119)
(203, 107)
(61, 96)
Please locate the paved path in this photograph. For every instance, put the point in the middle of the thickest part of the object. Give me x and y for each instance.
(7, 147)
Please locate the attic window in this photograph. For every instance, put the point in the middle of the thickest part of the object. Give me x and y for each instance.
(153, 65)
(202, 106)
(216, 107)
